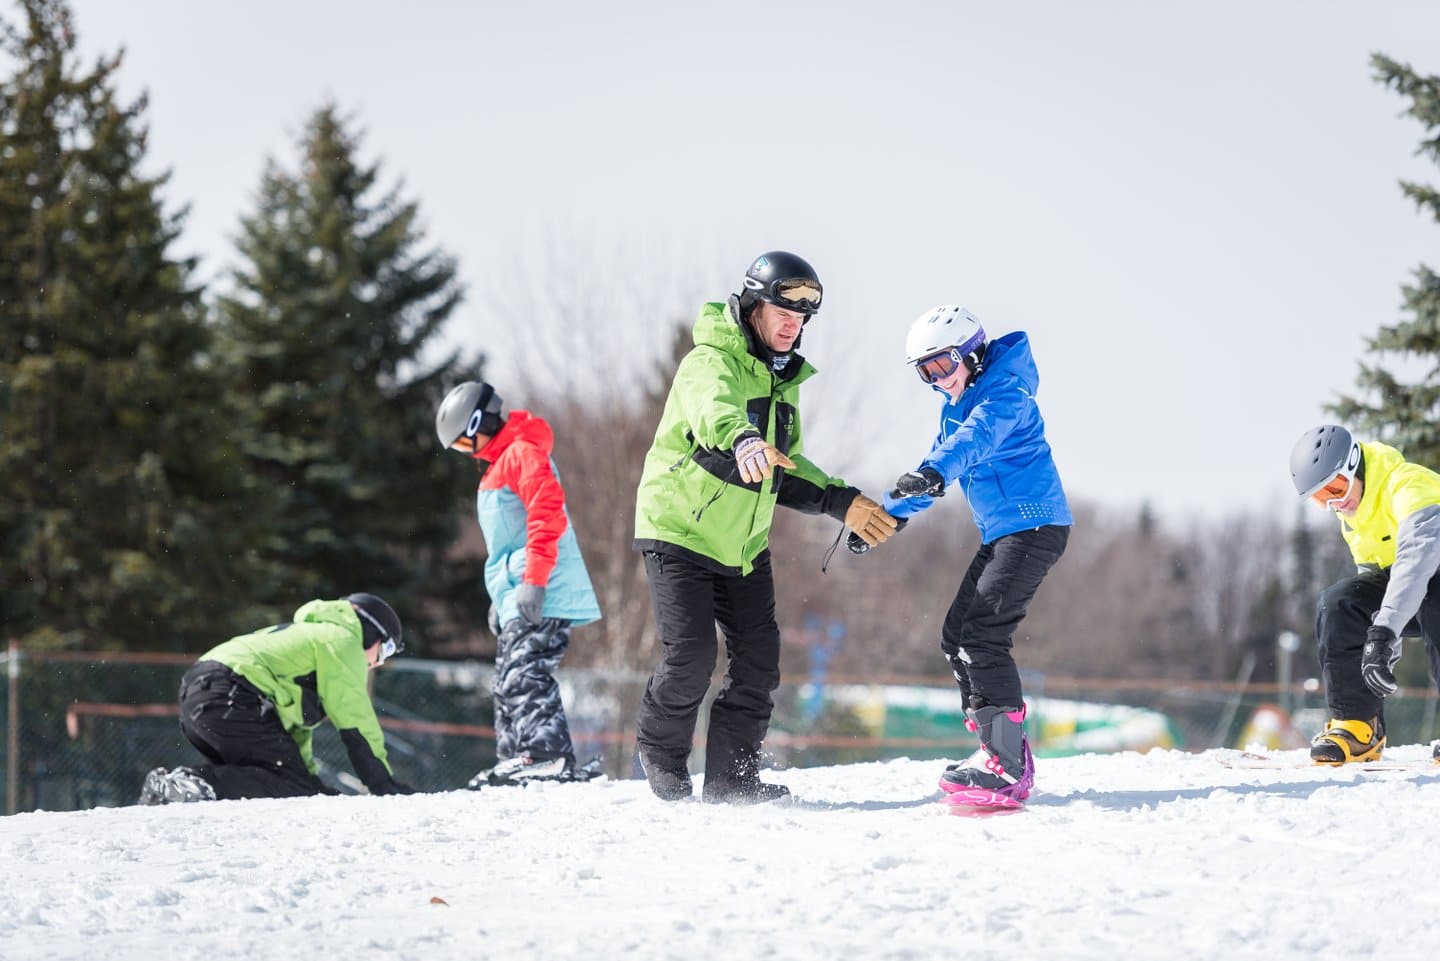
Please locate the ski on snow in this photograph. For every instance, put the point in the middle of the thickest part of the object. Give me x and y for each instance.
(1252, 761)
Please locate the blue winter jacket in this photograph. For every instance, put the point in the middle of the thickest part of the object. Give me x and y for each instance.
(992, 440)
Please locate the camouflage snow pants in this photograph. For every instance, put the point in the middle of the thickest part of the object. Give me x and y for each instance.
(529, 718)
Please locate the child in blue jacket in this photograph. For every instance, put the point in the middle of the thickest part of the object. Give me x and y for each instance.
(992, 442)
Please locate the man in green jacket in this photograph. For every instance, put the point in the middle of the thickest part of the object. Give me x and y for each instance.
(726, 452)
(250, 705)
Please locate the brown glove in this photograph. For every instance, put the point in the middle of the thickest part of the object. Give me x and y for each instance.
(869, 520)
(757, 459)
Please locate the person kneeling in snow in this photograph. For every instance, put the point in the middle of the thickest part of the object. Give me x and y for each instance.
(539, 587)
(250, 704)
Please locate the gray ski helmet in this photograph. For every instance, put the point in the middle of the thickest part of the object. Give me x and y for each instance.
(470, 409)
(1320, 455)
(378, 621)
(781, 278)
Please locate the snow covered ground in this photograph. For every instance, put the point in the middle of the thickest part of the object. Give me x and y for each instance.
(1165, 855)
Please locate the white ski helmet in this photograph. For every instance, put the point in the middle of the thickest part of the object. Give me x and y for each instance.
(946, 327)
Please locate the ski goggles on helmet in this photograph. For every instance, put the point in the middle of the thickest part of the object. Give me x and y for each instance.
(938, 366)
(1331, 493)
(1336, 489)
(797, 293)
(388, 645)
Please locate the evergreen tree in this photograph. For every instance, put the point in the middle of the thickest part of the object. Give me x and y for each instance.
(126, 515)
(327, 331)
(1407, 414)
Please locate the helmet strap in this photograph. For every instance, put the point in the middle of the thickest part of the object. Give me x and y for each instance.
(975, 363)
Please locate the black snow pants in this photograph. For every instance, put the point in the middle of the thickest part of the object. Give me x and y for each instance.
(235, 726)
(689, 600)
(990, 604)
(529, 718)
(1342, 617)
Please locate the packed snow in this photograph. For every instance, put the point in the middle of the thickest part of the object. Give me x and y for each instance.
(1161, 855)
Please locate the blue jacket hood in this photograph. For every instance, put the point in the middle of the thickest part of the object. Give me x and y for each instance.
(1010, 356)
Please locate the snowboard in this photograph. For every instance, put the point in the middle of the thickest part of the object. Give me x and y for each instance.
(1251, 761)
(977, 799)
(589, 771)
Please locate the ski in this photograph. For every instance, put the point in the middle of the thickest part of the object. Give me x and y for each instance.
(1251, 761)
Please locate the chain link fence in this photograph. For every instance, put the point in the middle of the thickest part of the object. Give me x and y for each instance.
(82, 729)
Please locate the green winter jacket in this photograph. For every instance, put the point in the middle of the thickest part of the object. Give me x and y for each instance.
(313, 669)
(691, 501)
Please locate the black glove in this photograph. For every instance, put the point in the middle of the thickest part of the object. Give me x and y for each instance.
(1377, 661)
(530, 603)
(919, 483)
(855, 544)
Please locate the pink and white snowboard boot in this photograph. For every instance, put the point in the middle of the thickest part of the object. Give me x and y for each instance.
(1002, 772)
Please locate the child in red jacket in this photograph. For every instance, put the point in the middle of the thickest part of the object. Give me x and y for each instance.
(539, 587)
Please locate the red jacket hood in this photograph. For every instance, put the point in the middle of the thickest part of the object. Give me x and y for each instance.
(521, 426)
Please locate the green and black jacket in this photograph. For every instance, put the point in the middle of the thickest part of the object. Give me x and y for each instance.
(315, 669)
(691, 501)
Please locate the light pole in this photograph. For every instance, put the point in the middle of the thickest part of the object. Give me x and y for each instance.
(12, 739)
(1288, 642)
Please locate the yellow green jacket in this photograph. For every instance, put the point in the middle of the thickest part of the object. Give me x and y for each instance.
(1396, 528)
(691, 501)
(314, 669)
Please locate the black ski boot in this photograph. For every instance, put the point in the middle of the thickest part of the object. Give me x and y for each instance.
(741, 790)
(668, 779)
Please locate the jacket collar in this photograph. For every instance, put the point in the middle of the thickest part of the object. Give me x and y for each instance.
(719, 326)
(520, 426)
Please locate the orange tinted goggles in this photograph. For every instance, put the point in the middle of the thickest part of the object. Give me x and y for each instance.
(1335, 489)
(938, 366)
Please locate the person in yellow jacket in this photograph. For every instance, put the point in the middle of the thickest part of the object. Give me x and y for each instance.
(250, 704)
(1389, 512)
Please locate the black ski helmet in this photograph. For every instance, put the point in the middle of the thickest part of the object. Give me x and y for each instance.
(1320, 455)
(781, 278)
(471, 408)
(378, 621)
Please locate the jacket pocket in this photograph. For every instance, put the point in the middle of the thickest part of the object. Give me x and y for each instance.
(710, 492)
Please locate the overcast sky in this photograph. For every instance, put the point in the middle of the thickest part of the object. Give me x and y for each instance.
(1191, 207)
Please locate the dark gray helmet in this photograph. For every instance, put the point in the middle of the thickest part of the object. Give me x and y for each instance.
(1321, 454)
(470, 409)
(378, 622)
